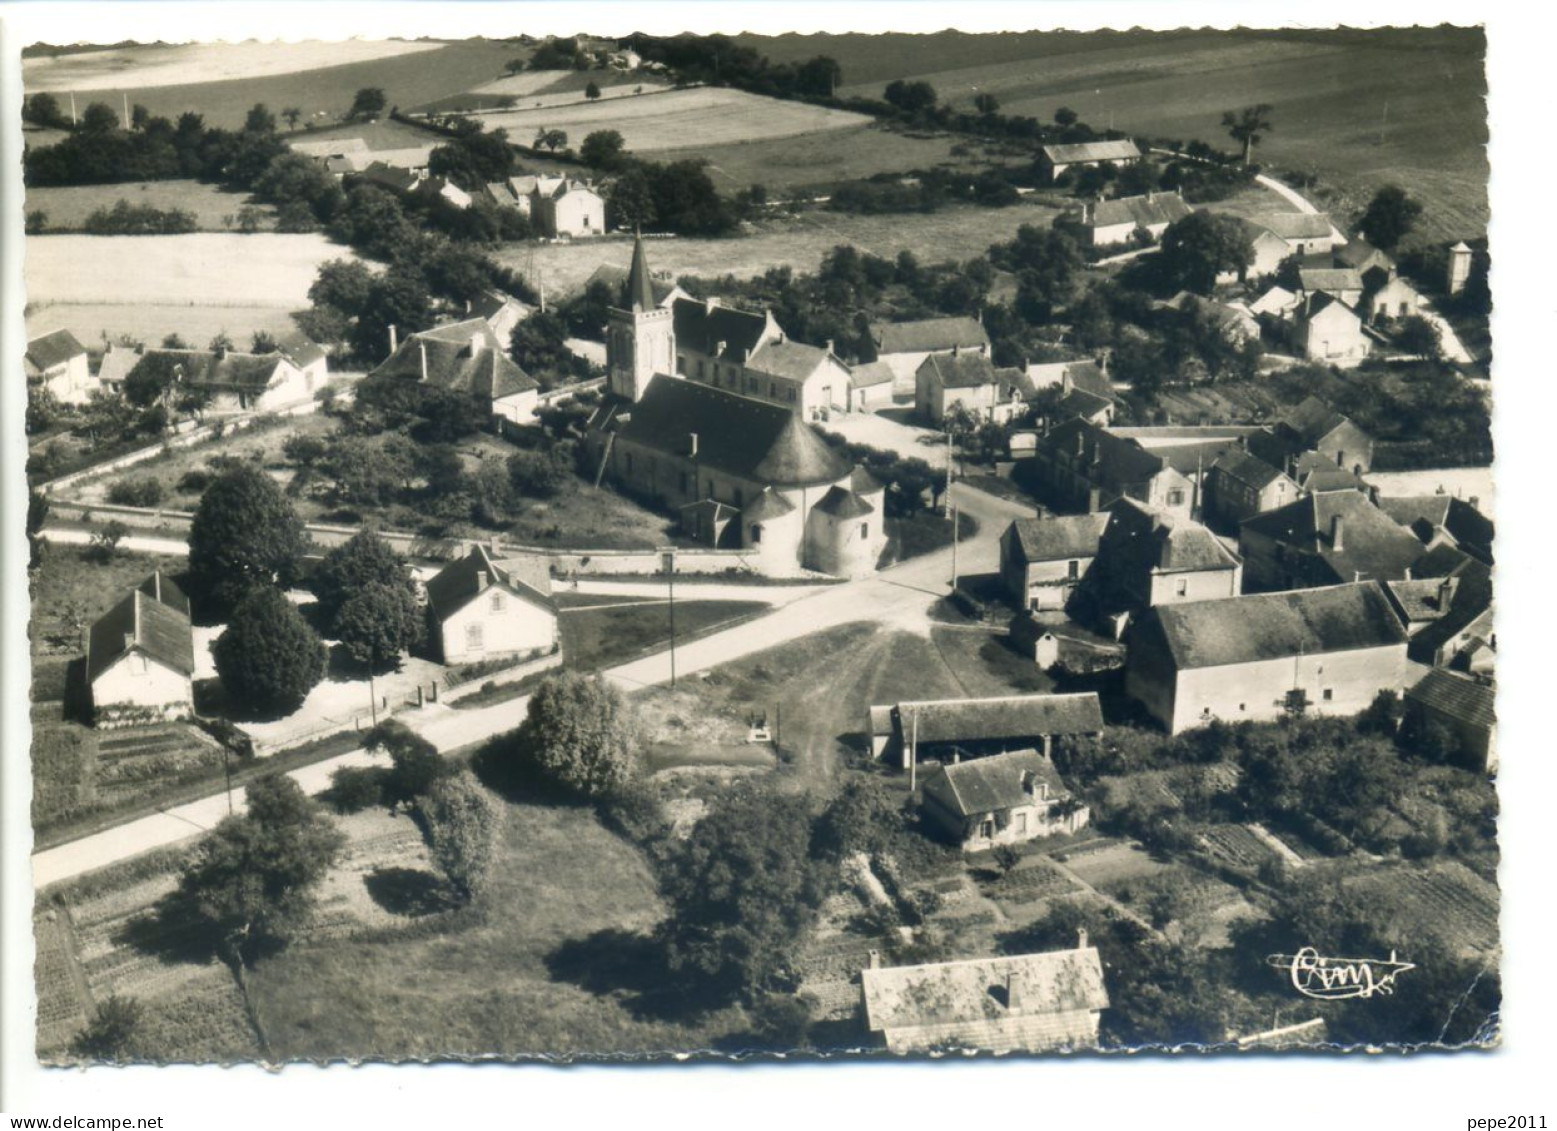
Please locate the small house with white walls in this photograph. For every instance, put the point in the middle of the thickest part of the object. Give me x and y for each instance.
(59, 363)
(1003, 799)
(140, 660)
(478, 609)
(467, 357)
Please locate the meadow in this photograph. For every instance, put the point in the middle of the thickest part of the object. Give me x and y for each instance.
(215, 209)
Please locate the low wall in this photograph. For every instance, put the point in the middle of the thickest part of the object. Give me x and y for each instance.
(502, 677)
(596, 563)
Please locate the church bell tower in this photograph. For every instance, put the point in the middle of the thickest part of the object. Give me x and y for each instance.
(640, 335)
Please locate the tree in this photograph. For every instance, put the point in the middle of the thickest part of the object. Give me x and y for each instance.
(1006, 858)
(259, 120)
(244, 534)
(37, 517)
(551, 139)
(514, 66)
(1390, 216)
(462, 823)
(254, 876)
(44, 110)
(108, 1035)
(292, 114)
(910, 97)
(630, 202)
(105, 540)
(99, 120)
(986, 104)
(343, 284)
(742, 889)
(820, 75)
(592, 91)
(581, 735)
(416, 764)
(269, 658)
(1196, 249)
(538, 474)
(1247, 126)
(1065, 117)
(603, 149)
(36, 221)
(377, 623)
(1421, 337)
(368, 103)
(362, 561)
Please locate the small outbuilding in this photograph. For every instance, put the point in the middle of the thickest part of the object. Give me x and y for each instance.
(1003, 799)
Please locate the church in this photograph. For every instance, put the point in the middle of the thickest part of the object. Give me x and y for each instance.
(745, 472)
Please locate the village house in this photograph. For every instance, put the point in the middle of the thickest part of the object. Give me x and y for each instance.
(1270, 252)
(1325, 538)
(140, 660)
(1148, 556)
(1304, 233)
(1327, 651)
(230, 380)
(1447, 609)
(1085, 392)
(566, 207)
(1391, 300)
(944, 730)
(1240, 485)
(1443, 519)
(1373, 265)
(1325, 329)
(348, 155)
(1465, 709)
(502, 312)
(517, 193)
(970, 381)
(441, 188)
(1080, 466)
(1313, 426)
(1042, 560)
(1109, 223)
(903, 346)
(480, 609)
(871, 386)
(662, 285)
(1234, 321)
(396, 179)
(1056, 160)
(465, 357)
(1003, 799)
(1277, 302)
(58, 363)
(1021, 1003)
(1338, 282)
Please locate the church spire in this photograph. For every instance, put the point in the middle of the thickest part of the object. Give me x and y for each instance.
(640, 291)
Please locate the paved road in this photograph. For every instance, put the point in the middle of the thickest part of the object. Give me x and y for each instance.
(135, 543)
(900, 597)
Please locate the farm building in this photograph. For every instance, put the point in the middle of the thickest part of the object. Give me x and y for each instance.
(968, 381)
(1080, 466)
(1305, 233)
(947, 729)
(1325, 538)
(1337, 282)
(1270, 251)
(1313, 426)
(1448, 611)
(231, 380)
(563, 206)
(1149, 556)
(1462, 709)
(903, 346)
(1373, 265)
(58, 363)
(478, 609)
(517, 193)
(1443, 519)
(1240, 485)
(1021, 1003)
(1108, 223)
(1329, 651)
(1042, 560)
(1003, 799)
(465, 357)
(785, 498)
(1056, 160)
(140, 659)
(870, 386)
(1392, 299)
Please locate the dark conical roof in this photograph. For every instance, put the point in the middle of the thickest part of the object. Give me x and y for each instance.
(640, 287)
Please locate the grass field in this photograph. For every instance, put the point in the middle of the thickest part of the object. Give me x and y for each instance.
(666, 119)
(602, 637)
(163, 64)
(214, 208)
(325, 93)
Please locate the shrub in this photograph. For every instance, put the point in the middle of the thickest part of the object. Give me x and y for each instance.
(194, 481)
(462, 823)
(110, 1033)
(580, 735)
(355, 788)
(142, 492)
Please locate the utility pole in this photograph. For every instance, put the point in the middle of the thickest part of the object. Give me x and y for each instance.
(951, 505)
(913, 754)
(669, 558)
(72, 107)
(126, 99)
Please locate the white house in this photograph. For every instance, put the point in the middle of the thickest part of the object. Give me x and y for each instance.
(1108, 223)
(567, 207)
(140, 659)
(1326, 329)
(480, 610)
(903, 346)
(59, 363)
(968, 380)
(1002, 799)
(466, 356)
(233, 381)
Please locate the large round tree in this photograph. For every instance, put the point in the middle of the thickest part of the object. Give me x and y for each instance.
(377, 623)
(245, 534)
(581, 735)
(366, 559)
(269, 658)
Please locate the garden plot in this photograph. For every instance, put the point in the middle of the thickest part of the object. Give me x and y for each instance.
(1444, 899)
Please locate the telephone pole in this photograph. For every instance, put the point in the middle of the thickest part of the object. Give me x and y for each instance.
(669, 558)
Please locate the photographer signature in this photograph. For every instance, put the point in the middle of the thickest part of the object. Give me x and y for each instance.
(1332, 978)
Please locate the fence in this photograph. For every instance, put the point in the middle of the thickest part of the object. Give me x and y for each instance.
(522, 670)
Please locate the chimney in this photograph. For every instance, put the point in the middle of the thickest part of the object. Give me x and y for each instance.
(1014, 1003)
(1081, 443)
(394, 339)
(481, 580)
(423, 351)
(875, 960)
(719, 348)
(829, 345)
(129, 641)
(1081, 939)
(1338, 532)
(1446, 589)
(710, 305)
(1475, 502)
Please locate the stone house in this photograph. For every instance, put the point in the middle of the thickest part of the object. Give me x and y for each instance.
(1338, 282)
(500, 311)
(1324, 328)
(1080, 466)
(232, 381)
(466, 357)
(1391, 300)
(1304, 233)
(1055, 160)
(1447, 608)
(871, 386)
(479, 609)
(1325, 538)
(1110, 223)
(1003, 799)
(971, 381)
(1042, 560)
(1465, 707)
(59, 363)
(1313, 426)
(1086, 393)
(1443, 520)
(903, 346)
(946, 729)
(1240, 485)
(1020, 1003)
(1148, 556)
(140, 659)
(566, 207)
(1325, 651)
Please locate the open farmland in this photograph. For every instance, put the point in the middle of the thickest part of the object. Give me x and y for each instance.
(91, 285)
(323, 93)
(667, 119)
(215, 208)
(164, 64)
(534, 89)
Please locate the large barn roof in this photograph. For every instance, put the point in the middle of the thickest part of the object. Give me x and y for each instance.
(928, 335)
(142, 621)
(974, 990)
(1015, 717)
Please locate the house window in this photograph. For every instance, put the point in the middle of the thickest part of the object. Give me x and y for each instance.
(1072, 571)
(1181, 587)
(1021, 824)
(790, 394)
(756, 534)
(864, 530)
(473, 639)
(1242, 706)
(1329, 695)
(1175, 498)
(497, 602)
(987, 829)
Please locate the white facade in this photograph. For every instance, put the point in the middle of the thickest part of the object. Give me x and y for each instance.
(137, 683)
(496, 622)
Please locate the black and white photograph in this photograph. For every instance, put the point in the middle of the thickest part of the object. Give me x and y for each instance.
(635, 546)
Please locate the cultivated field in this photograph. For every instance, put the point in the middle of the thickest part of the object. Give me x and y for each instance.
(186, 64)
(214, 208)
(149, 286)
(537, 89)
(666, 119)
(797, 241)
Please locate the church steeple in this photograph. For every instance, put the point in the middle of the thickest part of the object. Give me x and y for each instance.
(640, 288)
(640, 334)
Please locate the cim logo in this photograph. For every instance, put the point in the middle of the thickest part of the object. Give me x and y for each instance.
(1330, 979)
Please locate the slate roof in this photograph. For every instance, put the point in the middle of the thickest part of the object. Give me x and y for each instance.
(390, 177)
(870, 374)
(53, 349)
(1372, 544)
(766, 506)
(994, 784)
(701, 328)
(1296, 225)
(1059, 538)
(616, 278)
(141, 621)
(452, 363)
(638, 290)
(1161, 542)
(862, 482)
(787, 359)
(1122, 149)
(1143, 211)
(1246, 468)
(1319, 303)
(947, 993)
(1459, 697)
(1425, 515)
(844, 504)
(163, 589)
(1269, 626)
(243, 371)
(1312, 420)
(299, 349)
(1085, 374)
(1361, 255)
(1119, 459)
(929, 335)
(489, 304)
(1277, 300)
(738, 435)
(961, 371)
(1080, 402)
(1331, 279)
(1016, 717)
(1471, 599)
(457, 584)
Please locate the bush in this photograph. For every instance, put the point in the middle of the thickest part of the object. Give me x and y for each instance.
(142, 492)
(462, 823)
(194, 481)
(355, 788)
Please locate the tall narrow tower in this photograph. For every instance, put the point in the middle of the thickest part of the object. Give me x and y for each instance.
(640, 335)
(1459, 267)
